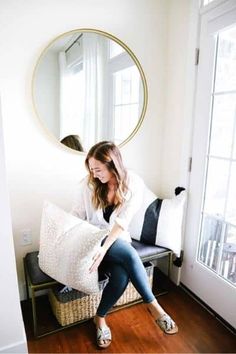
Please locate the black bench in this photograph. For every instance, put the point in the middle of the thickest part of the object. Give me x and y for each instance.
(37, 280)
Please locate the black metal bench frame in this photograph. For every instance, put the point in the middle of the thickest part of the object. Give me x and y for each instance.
(147, 253)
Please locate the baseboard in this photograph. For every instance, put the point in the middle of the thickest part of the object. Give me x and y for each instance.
(208, 308)
(18, 347)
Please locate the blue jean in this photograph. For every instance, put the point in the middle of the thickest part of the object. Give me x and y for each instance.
(123, 264)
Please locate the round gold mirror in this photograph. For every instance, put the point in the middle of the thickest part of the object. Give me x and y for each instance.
(88, 86)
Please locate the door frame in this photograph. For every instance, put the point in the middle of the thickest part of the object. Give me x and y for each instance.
(195, 275)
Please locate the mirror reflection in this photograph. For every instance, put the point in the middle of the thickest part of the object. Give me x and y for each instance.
(90, 86)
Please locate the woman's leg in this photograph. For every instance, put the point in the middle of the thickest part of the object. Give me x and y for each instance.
(122, 253)
(118, 281)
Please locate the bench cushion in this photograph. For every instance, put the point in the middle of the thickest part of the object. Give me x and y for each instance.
(144, 250)
(38, 277)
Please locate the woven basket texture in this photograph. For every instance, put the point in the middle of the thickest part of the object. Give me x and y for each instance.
(76, 306)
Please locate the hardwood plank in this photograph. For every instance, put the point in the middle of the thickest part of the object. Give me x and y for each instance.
(134, 330)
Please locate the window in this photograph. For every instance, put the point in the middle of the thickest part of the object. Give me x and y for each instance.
(124, 89)
(126, 101)
(218, 230)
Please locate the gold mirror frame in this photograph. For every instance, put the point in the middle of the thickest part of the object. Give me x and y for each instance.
(127, 49)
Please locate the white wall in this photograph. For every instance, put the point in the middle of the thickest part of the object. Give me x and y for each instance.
(180, 69)
(38, 168)
(12, 333)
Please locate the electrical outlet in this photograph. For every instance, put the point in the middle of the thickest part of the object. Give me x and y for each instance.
(26, 237)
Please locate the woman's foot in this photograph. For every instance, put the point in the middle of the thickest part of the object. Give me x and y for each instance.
(163, 320)
(166, 323)
(103, 332)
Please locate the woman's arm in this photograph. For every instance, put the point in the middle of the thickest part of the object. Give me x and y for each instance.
(111, 238)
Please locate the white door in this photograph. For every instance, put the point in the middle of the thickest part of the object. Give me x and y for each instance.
(209, 269)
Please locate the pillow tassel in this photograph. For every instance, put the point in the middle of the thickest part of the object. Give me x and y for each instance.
(178, 190)
(179, 260)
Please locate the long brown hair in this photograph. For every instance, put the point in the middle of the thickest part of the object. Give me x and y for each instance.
(73, 142)
(107, 153)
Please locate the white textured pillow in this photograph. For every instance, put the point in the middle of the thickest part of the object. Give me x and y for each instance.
(159, 221)
(67, 245)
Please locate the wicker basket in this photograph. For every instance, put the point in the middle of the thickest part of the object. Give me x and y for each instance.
(76, 306)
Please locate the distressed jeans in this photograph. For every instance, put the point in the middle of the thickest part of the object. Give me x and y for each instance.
(123, 263)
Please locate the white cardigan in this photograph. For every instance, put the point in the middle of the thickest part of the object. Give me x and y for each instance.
(123, 215)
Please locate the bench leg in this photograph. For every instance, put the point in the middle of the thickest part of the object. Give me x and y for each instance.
(26, 281)
(34, 313)
(169, 264)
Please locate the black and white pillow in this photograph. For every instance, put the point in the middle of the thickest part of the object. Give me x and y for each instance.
(159, 221)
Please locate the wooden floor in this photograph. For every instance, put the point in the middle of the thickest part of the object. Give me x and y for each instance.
(134, 331)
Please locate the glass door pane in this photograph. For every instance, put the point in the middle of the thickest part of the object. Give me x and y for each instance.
(228, 263)
(222, 125)
(226, 61)
(217, 248)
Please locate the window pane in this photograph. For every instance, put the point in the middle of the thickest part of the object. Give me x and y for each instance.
(234, 151)
(210, 241)
(125, 120)
(226, 61)
(115, 49)
(228, 261)
(222, 125)
(126, 86)
(216, 187)
(231, 203)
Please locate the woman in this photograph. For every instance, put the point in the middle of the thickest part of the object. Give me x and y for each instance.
(109, 197)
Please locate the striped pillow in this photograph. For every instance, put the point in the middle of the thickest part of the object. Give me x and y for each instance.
(159, 221)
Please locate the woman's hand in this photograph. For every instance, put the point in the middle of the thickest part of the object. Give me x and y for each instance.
(110, 239)
(97, 258)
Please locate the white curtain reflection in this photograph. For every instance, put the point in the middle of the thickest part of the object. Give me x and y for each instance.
(63, 101)
(71, 97)
(94, 60)
(83, 90)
